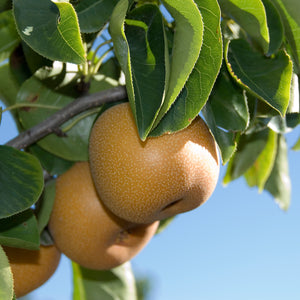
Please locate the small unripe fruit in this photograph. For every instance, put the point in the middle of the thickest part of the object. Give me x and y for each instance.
(85, 231)
(152, 180)
(31, 268)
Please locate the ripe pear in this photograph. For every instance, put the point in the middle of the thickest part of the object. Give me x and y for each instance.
(152, 180)
(87, 232)
(31, 268)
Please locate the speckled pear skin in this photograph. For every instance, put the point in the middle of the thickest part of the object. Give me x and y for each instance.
(87, 232)
(147, 181)
(31, 268)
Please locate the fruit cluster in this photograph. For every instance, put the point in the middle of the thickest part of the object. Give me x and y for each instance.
(106, 210)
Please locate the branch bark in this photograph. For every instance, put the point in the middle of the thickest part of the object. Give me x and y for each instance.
(78, 106)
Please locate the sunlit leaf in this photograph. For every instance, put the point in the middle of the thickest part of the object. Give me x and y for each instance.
(199, 85)
(252, 18)
(276, 30)
(50, 28)
(189, 28)
(269, 79)
(279, 183)
(20, 230)
(249, 148)
(149, 61)
(258, 174)
(21, 181)
(289, 11)
(6, 279)
(114, 284)
(121, 47)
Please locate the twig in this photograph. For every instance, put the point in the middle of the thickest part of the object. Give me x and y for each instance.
(76, 107)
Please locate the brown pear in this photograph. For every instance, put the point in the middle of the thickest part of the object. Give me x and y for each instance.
(86, 231)
(147, 181)
(31, 268)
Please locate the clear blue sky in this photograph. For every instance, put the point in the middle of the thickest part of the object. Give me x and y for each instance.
(237, 246)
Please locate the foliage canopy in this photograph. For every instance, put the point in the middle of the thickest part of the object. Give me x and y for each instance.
(237, 66)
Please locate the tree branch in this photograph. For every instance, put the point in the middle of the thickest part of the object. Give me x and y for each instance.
(76, 107)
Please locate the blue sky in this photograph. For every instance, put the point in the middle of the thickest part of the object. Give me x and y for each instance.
(238, 245)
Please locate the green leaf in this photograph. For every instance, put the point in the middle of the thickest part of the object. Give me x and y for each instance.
(144, 31)
(229, 104)
(9, 85)
(199, 85)
(279, 183)
(20, 231)
(187, 44)
(226, 140)
(115, 284)
(260, 171)
(269, 79)
(21, 181)
(276, 30)
(50, 28)
(5, 5)
(6, 278)
(107, 77)
(252, 18)
(249, 148)
(289, 12)
(9, 37)
(121, 47)
(92, 15)
(52, 163)
(45, 204)
(70, 145)
(163, 224)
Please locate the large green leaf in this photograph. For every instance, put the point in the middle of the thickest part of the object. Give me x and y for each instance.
(50, 28)
(6, 278)
(269, 79)
(93, 14)
(226, 140)
(249, 148)
(229, 104)
(199, 85)
(21, 181)
(276, 30)
(279, 183)
(9, 37)
(251, 17)
(20, 230)
(115, 284)
(71, 145)
(187, 44)
(289, 11)
(144, 30)
(260, 171)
